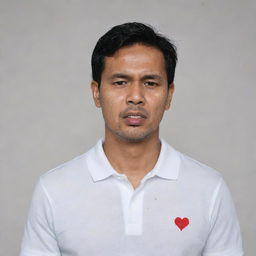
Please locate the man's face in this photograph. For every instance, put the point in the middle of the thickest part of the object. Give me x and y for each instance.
(134, 92)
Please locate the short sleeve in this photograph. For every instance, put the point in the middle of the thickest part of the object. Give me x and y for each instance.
(39, 237)
(224, 237)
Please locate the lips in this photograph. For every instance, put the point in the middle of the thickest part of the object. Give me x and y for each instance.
(134, 118)
(134, 114)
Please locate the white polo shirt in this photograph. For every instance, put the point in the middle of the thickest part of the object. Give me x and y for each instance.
(84, 207)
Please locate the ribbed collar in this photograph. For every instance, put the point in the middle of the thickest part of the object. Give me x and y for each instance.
(167, 165)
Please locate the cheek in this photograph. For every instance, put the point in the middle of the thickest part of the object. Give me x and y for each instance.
(159, 105)
(111, 106)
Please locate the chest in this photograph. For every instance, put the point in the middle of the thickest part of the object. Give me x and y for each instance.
(96, 222)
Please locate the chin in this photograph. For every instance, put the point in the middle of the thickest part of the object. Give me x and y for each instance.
(134, 136)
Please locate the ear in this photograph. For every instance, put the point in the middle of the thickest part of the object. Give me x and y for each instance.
(169, 96)
(95, 93)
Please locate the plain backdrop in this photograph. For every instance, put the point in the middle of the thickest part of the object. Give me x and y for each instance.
(47, 115)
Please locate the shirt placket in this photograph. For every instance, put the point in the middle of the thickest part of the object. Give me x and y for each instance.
(132, 201)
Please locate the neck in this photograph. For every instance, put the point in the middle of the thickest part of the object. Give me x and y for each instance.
(134, 159)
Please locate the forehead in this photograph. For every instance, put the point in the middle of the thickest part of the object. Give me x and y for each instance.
(135, 59)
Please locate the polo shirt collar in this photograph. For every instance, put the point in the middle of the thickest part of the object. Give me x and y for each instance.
(167, 166)
(168, 163)
(98, 164)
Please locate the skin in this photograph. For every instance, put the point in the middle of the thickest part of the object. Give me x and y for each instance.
(134, 79)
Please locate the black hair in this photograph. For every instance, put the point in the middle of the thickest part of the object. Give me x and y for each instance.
(128, 34)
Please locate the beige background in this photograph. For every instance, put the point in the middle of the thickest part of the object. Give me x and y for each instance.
(48, 116)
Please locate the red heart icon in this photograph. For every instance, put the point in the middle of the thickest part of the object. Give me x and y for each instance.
(181, 223)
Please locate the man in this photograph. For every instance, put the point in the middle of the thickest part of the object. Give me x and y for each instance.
(132, 194)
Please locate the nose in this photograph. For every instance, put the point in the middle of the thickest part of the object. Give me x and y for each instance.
(135, 95)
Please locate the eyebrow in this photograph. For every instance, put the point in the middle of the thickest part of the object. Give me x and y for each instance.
(125, 76)
(152, 76)
(120, 75)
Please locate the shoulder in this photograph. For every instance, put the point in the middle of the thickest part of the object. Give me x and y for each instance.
(67, 174)
(187, 168)
(195, 173)
(197, 167)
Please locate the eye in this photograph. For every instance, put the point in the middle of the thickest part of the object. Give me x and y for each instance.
(121, 82)
(151, 83)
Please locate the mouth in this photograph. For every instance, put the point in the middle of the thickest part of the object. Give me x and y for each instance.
(134, 119)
